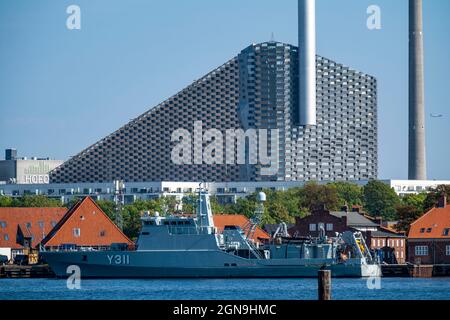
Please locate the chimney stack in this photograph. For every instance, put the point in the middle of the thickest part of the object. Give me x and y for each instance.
(442, 201)
(307, 62)
(417, 155)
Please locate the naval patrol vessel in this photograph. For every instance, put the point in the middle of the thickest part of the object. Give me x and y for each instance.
(192, 247)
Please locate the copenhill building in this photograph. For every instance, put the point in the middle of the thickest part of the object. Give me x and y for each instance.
(325, 115)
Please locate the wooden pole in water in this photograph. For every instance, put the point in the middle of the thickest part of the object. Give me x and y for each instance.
(324, 278)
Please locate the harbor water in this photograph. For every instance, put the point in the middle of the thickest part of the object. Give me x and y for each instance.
(222, 289)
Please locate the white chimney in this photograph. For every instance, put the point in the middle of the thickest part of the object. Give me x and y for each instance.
(307, 62)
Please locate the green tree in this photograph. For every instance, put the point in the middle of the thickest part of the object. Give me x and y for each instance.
(314, 196)
(433, 196)
(380, 200)
(36, 201)
(349, 194)
(407, 214)
(415, 200)
(6, 201)
(279, 213)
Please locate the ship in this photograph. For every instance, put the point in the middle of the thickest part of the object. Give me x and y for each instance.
(191, 247)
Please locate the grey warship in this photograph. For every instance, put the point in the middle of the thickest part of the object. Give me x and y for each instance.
(191, 247)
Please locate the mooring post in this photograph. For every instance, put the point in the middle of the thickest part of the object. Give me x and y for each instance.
(324, 277)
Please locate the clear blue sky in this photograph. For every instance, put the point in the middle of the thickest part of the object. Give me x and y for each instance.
(61, 90)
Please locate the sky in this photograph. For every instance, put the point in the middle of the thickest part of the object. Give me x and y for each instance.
(62, 90)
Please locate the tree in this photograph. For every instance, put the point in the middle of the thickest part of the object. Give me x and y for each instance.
(314, 196)
(6, 201)
(279, 213)
(407, 214)
(349, 194)
(36, 201)
(380, 200)
(415, 200)
(434, 195)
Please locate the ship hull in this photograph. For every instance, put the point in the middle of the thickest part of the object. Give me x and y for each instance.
(197, 264)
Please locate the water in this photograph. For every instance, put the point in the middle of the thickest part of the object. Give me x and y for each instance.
(221, 289)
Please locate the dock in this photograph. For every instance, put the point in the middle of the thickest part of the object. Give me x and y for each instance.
(33, 271)
(415, 271)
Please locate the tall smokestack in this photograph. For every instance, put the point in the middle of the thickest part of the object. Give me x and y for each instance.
(307, 61)
(417, 156)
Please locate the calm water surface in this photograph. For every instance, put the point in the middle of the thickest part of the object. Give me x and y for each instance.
(248, 289)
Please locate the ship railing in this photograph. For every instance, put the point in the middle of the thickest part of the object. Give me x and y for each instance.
(190, 230)
(85, 248)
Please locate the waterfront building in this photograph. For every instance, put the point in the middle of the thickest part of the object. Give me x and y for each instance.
(429, 236)
(31, 223)
(85, 225)
(331, 222)
(389, 245)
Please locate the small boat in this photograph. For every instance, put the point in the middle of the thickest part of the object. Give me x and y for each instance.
(192, 247)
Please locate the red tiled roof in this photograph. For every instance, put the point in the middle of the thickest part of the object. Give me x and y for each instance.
(431, 225)
(34, 222)
(96, 229)
(238, 220)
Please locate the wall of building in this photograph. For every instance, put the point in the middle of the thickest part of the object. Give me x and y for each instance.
(397, 244)
(27, 171)
(437, 251)
(7, 170)
(331, 224)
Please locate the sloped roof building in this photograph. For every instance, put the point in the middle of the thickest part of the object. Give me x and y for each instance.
(257, 89)
(85, 225)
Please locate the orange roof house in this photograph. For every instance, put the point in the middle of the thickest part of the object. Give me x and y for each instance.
(85, 225)
(429, 236)
(34, 223)
(238, 220)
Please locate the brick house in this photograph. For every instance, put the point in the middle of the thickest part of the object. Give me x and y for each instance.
(85, 225)
(332, 222)
(429, 236)
(389, 245)
(21, 228)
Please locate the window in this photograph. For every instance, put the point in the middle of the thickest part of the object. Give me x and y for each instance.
(428, 230)
(76, 232)
(447, 250)
(41, 224)
(422, 230)
(53, 223)
(102, 233)
(421, 250)
(446, 232)
(329, 227)
(3, 224)
(312, 227)
(28, 225)
(6, 237)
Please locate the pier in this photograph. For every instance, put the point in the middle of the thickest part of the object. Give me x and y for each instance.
(415, 271)
(34, 271)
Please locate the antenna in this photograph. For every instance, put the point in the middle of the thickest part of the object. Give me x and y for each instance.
(119, 201)
(272, 37)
